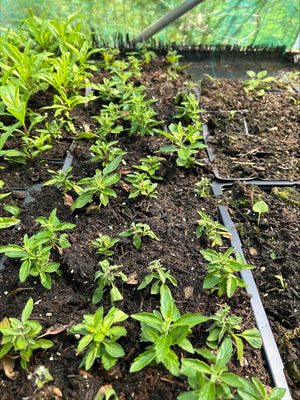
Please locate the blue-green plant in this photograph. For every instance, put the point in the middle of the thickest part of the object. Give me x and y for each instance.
(21, 336)
(100, 337)
(165, 329)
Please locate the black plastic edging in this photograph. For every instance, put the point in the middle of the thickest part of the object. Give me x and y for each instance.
(270, 348)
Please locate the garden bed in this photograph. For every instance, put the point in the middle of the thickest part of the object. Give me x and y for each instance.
(172, 216)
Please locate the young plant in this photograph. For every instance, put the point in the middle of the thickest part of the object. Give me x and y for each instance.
(106, 279)
(203, 187)
(257, 84)
(35, 257)
(20, 336)
(173, 58)
(260, 207)
(210, 381)
(212, 229)
(160, 276)
(226, 326)
(138, 231)
(62, 180)
(6, 222)
(103, 243)
(221, 271)
(142, 184)
(50, 227)
(180, 136)
(100, 337)
(257, 391)
(105, 151)
(107, 122)
(189, 108)
(165, 329)
(98, 185)
(149, 165)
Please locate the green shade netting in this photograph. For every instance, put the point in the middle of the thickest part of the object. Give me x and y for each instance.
(232, 22)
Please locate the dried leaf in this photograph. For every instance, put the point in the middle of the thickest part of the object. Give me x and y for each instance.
(188, 292)
(68, 200)
(7, 363)
(252, 251)
(19, 290)
(56, 391)
(54, 330)
(133, 279)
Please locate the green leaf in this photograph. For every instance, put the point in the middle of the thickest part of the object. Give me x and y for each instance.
(224, 354)
(24, 270)
(231, 285)
(162, 346)
(137, 241)
(231, 379)
(82, 200)
(252, 336)
(90, 358)
(115, 294)
(114, 349)
(170, 361)
(6, 222)
(148, 318)
(84, 342)
(112, 165)
(27, 310)
(142, 360)
(183, 153)
(260, 207)
(211, 281)
(191, 319)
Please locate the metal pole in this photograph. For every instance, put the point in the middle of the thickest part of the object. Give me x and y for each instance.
(166, 20)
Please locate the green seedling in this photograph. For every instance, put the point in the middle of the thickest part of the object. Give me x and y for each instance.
(283, 284)
(138, 231)
(221, 271)
(106, 279)
(42, 376)
(105, 151)
(260, 207)
(106, 393)
(159, 275)
(203, 187)
(109, 55)
(226, 326)
(107, 90)
(189, 109)
(149, 165)
(53, 130)
(100, 337)
(50, 227)
(212, 229)
(173, 58)
(257, 391)
(258, 84)
(63, 181)
(21, 336)
(103, 244)
(6, 222)
(181, 136)
(142, 184)
(98, 185)
(210, 381)
(165, 329)
(107, 122)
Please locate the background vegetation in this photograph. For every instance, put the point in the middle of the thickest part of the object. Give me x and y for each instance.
(234, 22)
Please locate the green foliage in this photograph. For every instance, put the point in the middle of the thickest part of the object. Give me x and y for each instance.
(20, 336)
(189, 109)
(149, 165)
(106, 393)
(260, 207)
(100, 337)
(6, 222)
(210, 381)
(103, 243)
(257, 391)
(98, 185)
(180, 136)
(142, 184)
(203, 187)
(159, 274)
(258, 84)
(221, 271)
(105, 151)
(165, 329)
(173, 58)
(62, 180)
(226, 326)
(105, 279)
(138, 231)
(212, 229)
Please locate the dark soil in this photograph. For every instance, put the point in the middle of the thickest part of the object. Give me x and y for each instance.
(172, 216)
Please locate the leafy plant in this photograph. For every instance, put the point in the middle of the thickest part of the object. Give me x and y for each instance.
(105, 151)
(6, 222)
(173, 58)
(50, 227)
(204, 184)
(21, 335)
(138, 231)
(257, 391)
(189, 108)
(258, 84)
(142, 184)
(107, 121)
(103, 243)
(62, 180)
(165, 329)
(210, 381)
(180, 136)
(35, 257)
(159, 274)
(106, 278)
(98, 185)
(100, 337)
(225, 326)
(222, 269)
(106, 392)
(260, 207)
(149, 165)
(212, 229)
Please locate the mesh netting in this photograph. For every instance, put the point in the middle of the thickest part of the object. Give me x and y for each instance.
(244, 23)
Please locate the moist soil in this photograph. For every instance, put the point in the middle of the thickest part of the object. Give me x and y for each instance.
(269, 150)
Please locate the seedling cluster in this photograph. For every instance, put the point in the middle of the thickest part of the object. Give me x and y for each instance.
(56, 54)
